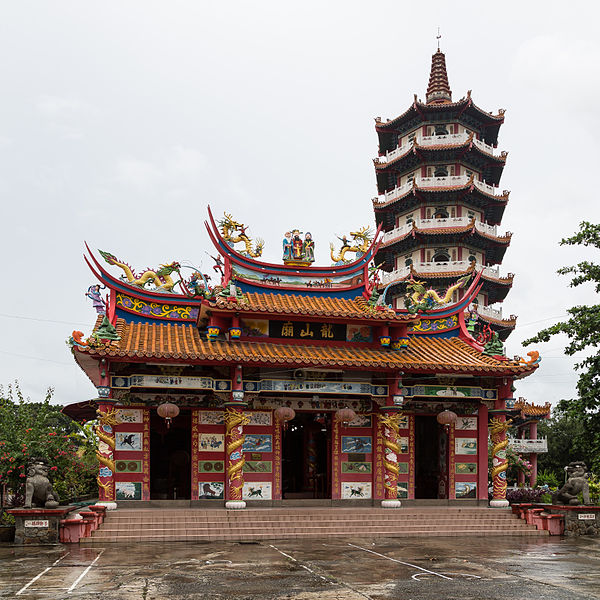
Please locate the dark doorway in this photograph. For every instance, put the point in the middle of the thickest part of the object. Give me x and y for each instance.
(170, 457)
(306, 452)
(431, 459)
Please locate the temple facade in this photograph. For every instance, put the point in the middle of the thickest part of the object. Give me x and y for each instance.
(367, 381)
(438, 174)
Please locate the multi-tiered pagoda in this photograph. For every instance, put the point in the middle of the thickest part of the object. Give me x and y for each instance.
(438, 172)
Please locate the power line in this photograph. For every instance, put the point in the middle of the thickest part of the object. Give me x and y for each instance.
(43, 320)
(56, 362)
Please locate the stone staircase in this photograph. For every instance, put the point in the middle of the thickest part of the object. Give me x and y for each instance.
(254, 524)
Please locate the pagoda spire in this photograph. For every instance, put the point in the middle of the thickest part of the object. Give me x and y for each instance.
(438, 90)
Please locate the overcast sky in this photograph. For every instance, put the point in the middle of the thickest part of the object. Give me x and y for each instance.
(121, 121)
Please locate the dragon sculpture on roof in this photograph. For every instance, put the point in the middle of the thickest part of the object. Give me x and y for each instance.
(161, 277)
(229, 228)
(361, 240)
(418, 299)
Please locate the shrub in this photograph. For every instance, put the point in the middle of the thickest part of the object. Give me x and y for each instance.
(547, 477)
(525, 495)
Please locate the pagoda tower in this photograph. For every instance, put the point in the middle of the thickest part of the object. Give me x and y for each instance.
(439, 203)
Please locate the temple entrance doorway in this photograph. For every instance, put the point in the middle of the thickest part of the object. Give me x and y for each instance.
(306, 445)
(431, 458)
(170, 457)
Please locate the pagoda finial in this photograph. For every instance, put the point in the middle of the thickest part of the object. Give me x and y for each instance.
(438, 90)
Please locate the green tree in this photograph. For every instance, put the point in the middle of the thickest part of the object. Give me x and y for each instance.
(40, 429)
(567, 441)
(583, 331)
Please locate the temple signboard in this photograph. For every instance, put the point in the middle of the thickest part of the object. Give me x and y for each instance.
(307, 331)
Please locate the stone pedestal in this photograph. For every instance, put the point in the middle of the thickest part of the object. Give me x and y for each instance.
(38, 525)
(579, 520)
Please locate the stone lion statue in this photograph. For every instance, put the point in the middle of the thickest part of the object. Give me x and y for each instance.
(577, 483)
(38, 489)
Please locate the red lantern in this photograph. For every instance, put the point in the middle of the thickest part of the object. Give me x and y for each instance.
(345, 415)
(447, 418)
(168, 411)
(284, 414)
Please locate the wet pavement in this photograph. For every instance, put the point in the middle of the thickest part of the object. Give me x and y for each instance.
(345, 569)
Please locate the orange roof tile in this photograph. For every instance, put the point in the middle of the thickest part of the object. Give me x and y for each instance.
(323, 306)
(183, 342)
(532, 410)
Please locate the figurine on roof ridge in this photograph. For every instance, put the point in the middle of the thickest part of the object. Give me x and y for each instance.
(296, 251)
(361, 240)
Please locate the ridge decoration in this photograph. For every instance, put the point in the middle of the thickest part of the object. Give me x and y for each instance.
(361, 240)
(161, 277)
(229, 227)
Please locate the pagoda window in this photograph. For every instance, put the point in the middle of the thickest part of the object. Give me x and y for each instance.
(409, 218)
(410, 177)
(470, 214)
(453, 211)
(469, 174)
(441, 256)
(411, 137)
(441, 129)
(441, 213)
(472, 258)
(408, 261)
(441, 171)
(452, 170)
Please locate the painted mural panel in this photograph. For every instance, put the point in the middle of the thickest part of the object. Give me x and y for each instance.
(211, 442)
(465, 468)
(258, 442)
(129, 466)
(359, 333)
(263, 418)
(213, 490)
(360, 421)
(128, 441)
(258, 466)
(465, 445)
(257, 490)
(466, 423)
(211, 466)
(357, 443)
(130, 415)
(402, 489)
(128, 490)
(356, 467)
(211, 417)
(356, 490)
(466, 489)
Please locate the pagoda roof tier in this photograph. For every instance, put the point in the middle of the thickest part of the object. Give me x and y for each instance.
(494, 285)
(290, 305)
(445, 189)
(444, 231)
(529, 409)
(465, 150)
(463, 111)
(167, 342)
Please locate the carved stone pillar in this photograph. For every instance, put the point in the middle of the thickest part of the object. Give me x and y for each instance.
(498, 428)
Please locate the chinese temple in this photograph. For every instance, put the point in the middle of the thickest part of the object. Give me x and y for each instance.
(368, 381)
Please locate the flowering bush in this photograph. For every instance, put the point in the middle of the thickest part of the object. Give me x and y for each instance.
(30, 429)
(525, 495)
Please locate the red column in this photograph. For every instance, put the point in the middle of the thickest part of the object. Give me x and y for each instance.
(533, 456)
(482, 458)
(235, 419)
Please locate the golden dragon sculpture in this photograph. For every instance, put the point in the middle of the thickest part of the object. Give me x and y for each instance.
(229, 227)
(161, 277)
(498, 429)
(390, 441)
(418, 299)
(234, 423)
(361, 240)
(110, 418)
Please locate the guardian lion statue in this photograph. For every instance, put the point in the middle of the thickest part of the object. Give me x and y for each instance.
(38, 489)
(577, 483)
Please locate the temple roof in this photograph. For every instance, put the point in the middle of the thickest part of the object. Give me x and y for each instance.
(142, 341)
(289, 304)
(528, 409)
(438, 90)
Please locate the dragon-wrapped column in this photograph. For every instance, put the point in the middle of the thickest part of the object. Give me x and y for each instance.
(235, 419)
(498, 429)
(107, 419)
(389, 420)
